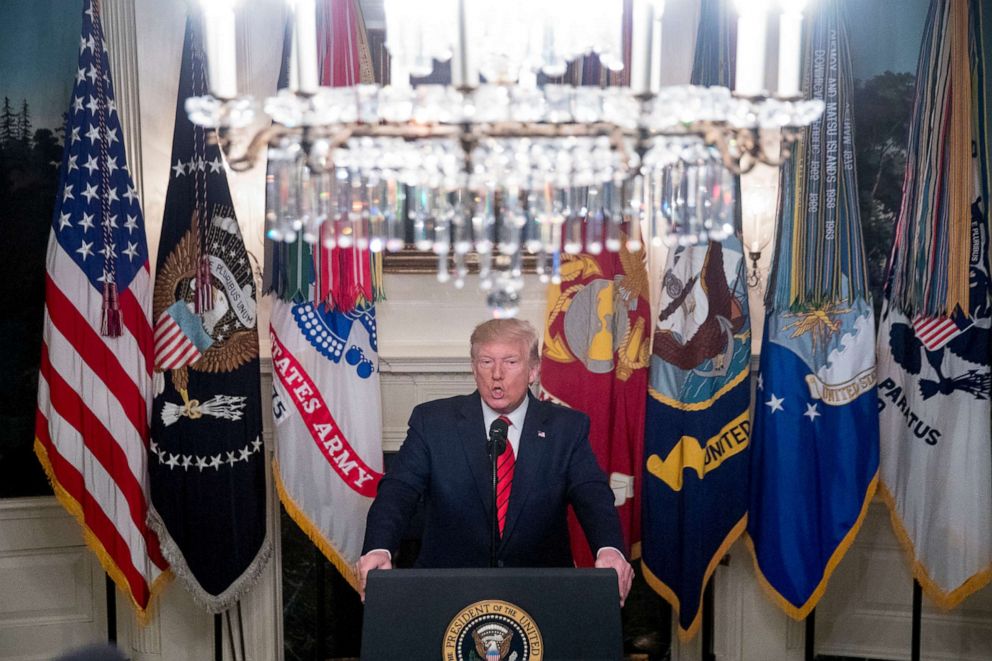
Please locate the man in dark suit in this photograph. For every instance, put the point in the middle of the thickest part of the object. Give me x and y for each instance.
(548, 462)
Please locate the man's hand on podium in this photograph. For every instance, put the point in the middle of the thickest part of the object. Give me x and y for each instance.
(377, 559)
(610, 558)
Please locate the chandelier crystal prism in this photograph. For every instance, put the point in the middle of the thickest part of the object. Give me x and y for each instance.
(495, 163)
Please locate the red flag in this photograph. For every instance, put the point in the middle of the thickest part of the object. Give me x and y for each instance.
(595, 359)
(94, 388)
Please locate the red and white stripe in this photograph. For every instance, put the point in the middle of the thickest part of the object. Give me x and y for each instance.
(935, 332)
(173, 349)
(94, 403)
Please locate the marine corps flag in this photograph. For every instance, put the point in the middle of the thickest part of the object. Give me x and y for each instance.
(325, 388)
(933, 345)
(594, 359)
(814, 451)
(207, 464)
(699, 393)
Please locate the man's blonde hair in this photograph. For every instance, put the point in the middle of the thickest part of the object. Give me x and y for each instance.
(507, 330)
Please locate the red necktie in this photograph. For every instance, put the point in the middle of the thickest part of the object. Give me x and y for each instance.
(504, 480)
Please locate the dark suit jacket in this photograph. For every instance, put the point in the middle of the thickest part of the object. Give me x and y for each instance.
(444, 459)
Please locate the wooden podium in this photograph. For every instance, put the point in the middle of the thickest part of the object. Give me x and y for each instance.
(492, 614)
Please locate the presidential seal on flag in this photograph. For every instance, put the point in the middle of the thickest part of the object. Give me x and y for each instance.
(223, 337)
(207, 468)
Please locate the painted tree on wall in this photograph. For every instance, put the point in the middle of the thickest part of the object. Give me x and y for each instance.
(28, 178)
(882, 106)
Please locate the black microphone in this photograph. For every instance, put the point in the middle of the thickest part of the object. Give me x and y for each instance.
(497, 437)
(496, 446)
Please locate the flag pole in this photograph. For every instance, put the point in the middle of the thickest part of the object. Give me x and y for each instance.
(707, 634)
(111, 610)
(218, 638)
(811, 636)
(321, 562)
(917, 620)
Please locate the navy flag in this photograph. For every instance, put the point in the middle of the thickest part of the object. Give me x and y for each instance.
(207, 464)
(698, 422)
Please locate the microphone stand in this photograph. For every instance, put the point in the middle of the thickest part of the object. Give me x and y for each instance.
(494, 520)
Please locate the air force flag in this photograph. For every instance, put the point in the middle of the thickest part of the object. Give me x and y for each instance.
(814, 451)
(815, 458)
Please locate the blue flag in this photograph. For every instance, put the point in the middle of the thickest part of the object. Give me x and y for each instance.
(697, 425)
(814, 452)
(698, 421)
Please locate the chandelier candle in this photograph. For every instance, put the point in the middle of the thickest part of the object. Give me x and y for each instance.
(645, 67)
(305, 46)
(656, 25)
(751, 29)
(221, 48)
(790, 38)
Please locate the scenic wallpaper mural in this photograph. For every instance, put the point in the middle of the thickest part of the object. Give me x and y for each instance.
(35, 91)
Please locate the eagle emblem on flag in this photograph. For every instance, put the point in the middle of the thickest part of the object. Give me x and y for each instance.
(226, 331)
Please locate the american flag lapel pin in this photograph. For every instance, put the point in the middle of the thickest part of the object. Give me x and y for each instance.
(540, 434)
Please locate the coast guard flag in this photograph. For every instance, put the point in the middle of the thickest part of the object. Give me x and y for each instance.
(325, 388)
(698, 421)
(933, 347)
(594, 359)
(94, 389)
(814, 452)
(207, 467)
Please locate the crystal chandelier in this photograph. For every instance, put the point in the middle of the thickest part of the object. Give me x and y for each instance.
(495, 163)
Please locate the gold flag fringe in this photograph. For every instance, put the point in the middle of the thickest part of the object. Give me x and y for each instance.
(313, 531)
(144, 614)
(800, 613)
(945, 600)
(669, 595)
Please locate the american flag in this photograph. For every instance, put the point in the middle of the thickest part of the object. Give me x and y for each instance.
(179, 338)
(94, 390)
(935, 332)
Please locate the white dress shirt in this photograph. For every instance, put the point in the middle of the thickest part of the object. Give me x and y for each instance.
(516, 418)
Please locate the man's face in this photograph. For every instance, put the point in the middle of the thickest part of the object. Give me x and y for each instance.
(502, 372)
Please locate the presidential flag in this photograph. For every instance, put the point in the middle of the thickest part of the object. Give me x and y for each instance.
(697, 428)
(594, 359)
(814, 451)
(326, 400)
(208, 465)
(94, 389)
(933, 345)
